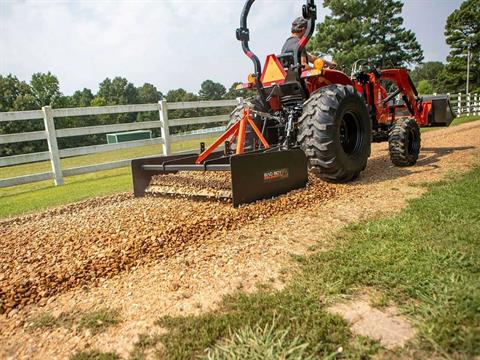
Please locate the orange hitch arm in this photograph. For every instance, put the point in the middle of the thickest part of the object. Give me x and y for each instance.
(239, 130)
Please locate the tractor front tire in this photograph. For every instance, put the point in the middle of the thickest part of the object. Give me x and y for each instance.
(335, 132)
(404, 142)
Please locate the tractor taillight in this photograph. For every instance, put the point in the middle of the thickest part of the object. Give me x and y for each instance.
(319, 64)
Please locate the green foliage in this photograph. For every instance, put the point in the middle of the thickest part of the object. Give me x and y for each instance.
(425, 87)
(81, 98)
(366, 29)
(45, 89)
(15, 95)
(428, 72)
(117, 91)
(210, 90)
(148, 94)
(233, 93)
(462, 32)
(18, 96)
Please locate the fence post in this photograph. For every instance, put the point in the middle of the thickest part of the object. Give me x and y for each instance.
(459, 104)
(165, 130)
(476, 108)
(468, 104)
(52, 145)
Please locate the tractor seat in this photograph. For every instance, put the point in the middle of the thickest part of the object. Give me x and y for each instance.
(286, 60)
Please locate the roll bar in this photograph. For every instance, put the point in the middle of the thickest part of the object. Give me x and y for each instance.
(309, 13)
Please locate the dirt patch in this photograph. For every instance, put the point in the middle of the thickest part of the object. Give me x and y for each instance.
(386, 325)
(209, 249)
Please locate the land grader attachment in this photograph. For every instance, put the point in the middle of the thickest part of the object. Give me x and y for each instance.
(254, 175)
(303, 118)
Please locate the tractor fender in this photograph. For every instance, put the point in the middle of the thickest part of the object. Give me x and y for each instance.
(337, 77)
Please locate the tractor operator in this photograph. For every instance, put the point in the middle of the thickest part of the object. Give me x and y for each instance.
(299, 26)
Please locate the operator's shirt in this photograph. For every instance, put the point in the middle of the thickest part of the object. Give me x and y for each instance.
(290, 44)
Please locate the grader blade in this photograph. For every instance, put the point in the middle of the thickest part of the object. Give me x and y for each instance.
(241, 178)
(258, 176)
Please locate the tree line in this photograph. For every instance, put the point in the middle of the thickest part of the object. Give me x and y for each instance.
(373, 30)
(362, 29)
(44, 89)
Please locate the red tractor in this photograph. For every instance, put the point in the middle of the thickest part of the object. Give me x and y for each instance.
(318, 119)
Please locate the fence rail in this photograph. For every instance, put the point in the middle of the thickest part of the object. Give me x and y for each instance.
(462, 104)
(51, 134)
(465, 104)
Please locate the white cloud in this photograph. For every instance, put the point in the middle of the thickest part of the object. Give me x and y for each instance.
(168, 43)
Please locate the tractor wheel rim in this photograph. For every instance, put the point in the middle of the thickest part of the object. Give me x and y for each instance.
(350, 137)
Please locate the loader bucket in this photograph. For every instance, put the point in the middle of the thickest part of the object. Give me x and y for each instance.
(441, 113)
(253, 176)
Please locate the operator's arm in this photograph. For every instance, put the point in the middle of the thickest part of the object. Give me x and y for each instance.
(311, 58)
(306, 59)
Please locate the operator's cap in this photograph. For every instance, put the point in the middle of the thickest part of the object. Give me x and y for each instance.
(299, 24)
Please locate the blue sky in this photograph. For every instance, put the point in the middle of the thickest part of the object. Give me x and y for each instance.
(171, 44)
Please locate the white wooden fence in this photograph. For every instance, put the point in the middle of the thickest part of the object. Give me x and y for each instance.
(51, 134)
(465, 104)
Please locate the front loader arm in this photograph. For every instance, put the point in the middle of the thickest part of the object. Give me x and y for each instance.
(406, 87)
(428, 110)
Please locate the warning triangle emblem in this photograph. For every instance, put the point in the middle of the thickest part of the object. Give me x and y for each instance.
(273, 71)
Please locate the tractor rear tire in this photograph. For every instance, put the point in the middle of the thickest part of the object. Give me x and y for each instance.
(404, 142)
(335, 132)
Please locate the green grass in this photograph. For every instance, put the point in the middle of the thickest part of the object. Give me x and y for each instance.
(94, 355)
(142, 345)
(98, 158)
(33, 197)
(96, 321)
(41, 195)
(99, 320)
(426, 259)
(47, 320)
(262, 343)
